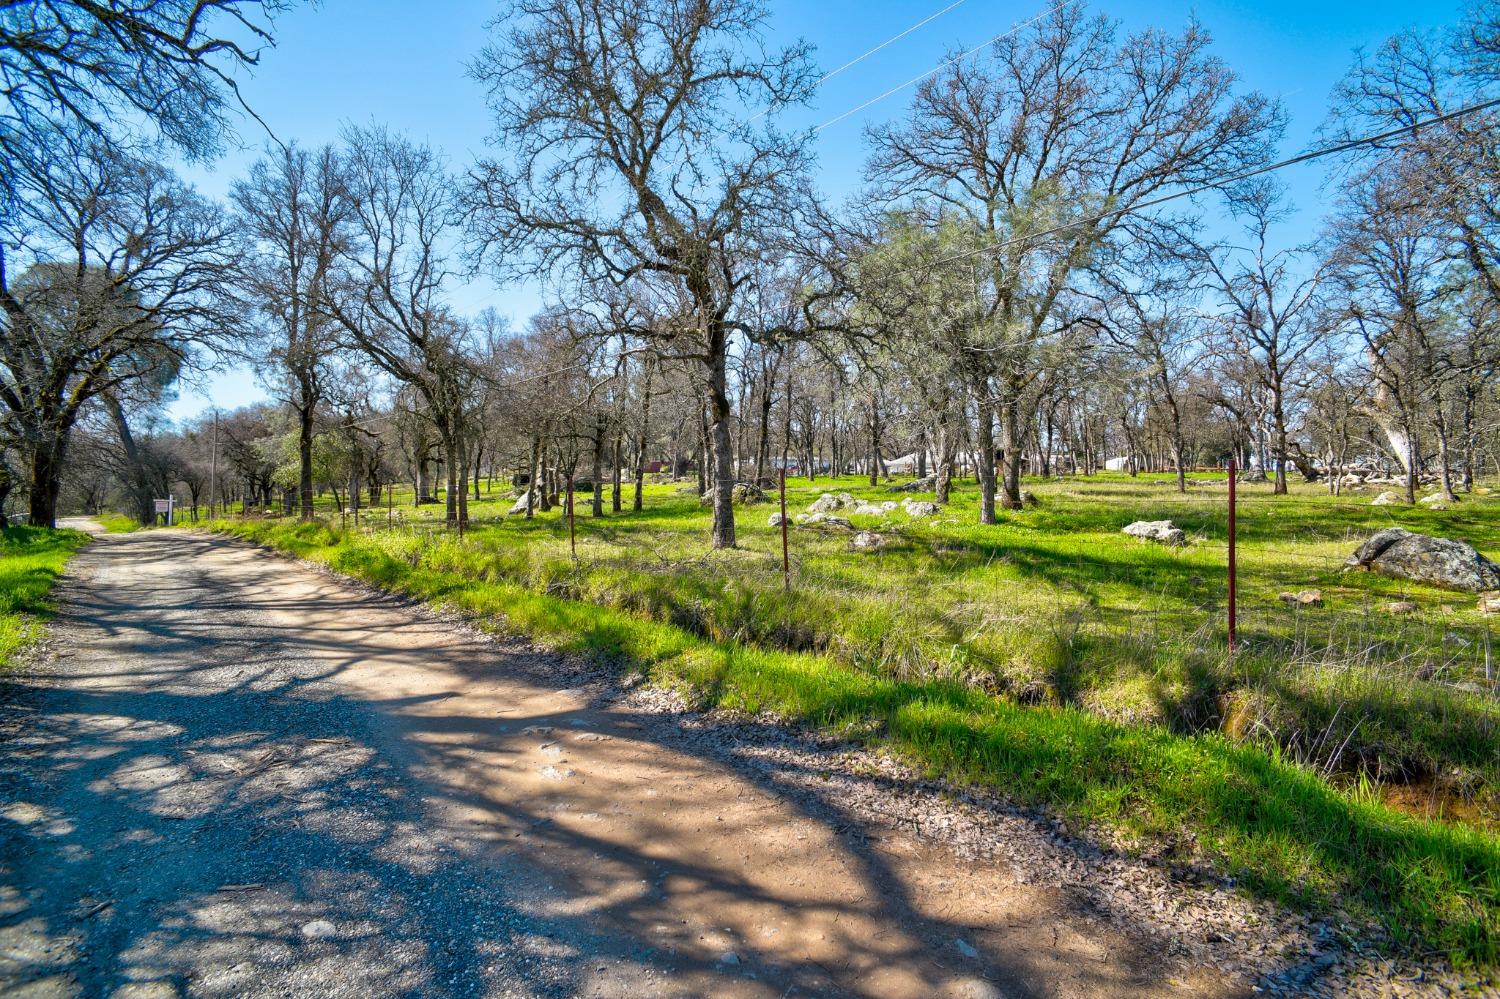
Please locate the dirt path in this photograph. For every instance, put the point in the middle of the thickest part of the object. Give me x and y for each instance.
(232, 775)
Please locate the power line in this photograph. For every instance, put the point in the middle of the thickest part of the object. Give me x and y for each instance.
(1222, 182)
(1210, 185)
(862, 57)
(894, 38)
(942, 65)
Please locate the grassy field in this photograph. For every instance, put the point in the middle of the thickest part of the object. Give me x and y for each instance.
(31, 559)
(1346, 755)
(117, 523)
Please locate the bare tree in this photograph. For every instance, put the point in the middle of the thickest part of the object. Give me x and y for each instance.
(1062, 125)
(120, 266)
(294, 212)
(636, 150)
(1270, 313)
(83, 65)
(387, 297)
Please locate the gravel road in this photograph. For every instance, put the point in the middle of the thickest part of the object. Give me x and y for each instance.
(227, 774)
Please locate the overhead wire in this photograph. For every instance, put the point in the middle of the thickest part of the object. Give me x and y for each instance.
(942, 65)
(865, 55)
(1214, 184)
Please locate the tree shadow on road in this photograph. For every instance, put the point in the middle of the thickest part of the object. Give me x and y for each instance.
(202, 798)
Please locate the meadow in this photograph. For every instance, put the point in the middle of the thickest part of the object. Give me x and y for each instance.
(31, 561)
(1344, 756)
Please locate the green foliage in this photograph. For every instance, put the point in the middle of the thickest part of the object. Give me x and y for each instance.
(1057, 659)
(31, 560)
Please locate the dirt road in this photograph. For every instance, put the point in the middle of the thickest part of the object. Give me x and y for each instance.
(231, 775)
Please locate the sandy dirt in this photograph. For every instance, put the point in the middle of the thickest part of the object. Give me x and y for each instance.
(230, 775)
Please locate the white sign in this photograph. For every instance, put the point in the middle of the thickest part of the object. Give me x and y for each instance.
(163, 506)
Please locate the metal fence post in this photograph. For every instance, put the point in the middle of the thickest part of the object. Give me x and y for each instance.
(786, 564)
(1233, 475)
(572, 534)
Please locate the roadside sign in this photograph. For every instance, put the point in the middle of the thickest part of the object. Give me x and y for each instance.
(163, 506)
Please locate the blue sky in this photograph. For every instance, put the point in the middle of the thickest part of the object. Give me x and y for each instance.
(403, 63)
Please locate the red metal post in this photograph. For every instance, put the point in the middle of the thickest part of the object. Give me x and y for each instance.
(786, 564)
(1233, 474)
(572, 534)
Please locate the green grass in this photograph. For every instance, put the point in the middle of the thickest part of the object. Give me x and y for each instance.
(118, 523)
(31, 560)
(1057, 660)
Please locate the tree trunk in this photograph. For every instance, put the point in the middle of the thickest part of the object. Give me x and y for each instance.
(596, 507)
(1010, 443)
(617, 473)
(723, 459)
(305, 454)
(46, 480)
(1445, 474)
(140, 482)
(984, 465)
(1278, 418)
(643, 439)
(533, 484)
(947, 444)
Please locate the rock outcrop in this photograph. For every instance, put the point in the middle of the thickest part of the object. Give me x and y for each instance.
(829, 502)
(1163, 532)
(923, 485)
(1402, 554)
(740, 494)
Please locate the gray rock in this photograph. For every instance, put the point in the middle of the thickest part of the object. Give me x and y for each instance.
(825, 520)
(740, 494)
(874, 509)
(923, 485)
(920, 508)
(1385, 499)
(318, 929)
(775, 519)
(518, 509)
(1402, 554)
(729, 957)
(1162, 532)
(867, 541)
(965, 948)
(829, 502)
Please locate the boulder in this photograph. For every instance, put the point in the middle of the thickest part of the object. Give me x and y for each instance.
(740, 494)
(518, 509)
(1400, 607)
(1162, 532)
(925, 484)
(1402, 554)
(1437, 500)
(776, 519)
(829, 502)
(874, 509)
(1303, 598)
(825, 520)
(867, 541)
(920, 508)
(1385, 499)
